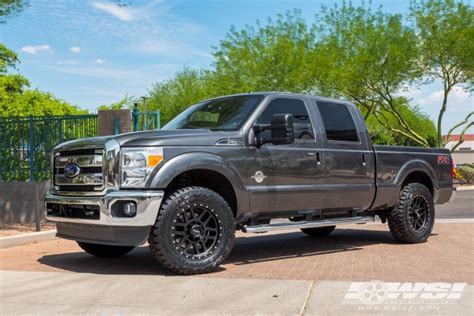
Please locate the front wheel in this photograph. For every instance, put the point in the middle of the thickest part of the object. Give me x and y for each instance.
(194, 231)
(105, 251)
(413, 219)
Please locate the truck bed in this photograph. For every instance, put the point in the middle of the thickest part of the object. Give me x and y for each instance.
(394, 162)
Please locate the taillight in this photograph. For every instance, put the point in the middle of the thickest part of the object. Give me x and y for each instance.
(453, 170)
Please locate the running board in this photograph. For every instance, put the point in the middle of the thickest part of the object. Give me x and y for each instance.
(305, 224)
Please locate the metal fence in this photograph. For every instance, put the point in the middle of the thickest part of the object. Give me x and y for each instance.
(26, 143)
(145, 121)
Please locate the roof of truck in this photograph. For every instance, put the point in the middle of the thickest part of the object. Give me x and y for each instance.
(288, 94)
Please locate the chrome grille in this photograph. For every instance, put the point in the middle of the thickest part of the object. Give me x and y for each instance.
(90, 175)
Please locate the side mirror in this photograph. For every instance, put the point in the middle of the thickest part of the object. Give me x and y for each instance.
(282, 131)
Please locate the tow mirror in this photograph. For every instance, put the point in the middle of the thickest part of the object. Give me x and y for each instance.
(282, 130)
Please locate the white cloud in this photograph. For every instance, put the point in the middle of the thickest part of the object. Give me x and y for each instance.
(35, 49)
(161, 46)
(75, 49)
(202, 54)
(430, 98)
(120, 12)
(100, 61)
(458, 99)
(145, 74)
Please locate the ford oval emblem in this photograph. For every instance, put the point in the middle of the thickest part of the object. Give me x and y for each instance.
(71, 170)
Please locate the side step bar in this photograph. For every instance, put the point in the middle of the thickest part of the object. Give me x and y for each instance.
(305, 224)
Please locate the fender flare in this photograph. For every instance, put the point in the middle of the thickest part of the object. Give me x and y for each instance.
(196, 160)
(417, 165)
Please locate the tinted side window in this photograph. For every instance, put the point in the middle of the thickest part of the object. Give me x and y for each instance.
(301, 120)
(338, 122)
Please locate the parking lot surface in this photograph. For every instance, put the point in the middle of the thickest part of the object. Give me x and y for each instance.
(351, 253)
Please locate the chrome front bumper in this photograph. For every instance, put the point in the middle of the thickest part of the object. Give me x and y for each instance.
(148, 205)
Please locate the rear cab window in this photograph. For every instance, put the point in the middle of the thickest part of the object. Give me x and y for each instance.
(338, 122)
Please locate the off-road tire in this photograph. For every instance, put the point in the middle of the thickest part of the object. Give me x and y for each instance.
(400, 219)
(318, 231)
(105, 251)
(170, 242)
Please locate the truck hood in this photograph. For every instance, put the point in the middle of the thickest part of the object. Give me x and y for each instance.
(154, 138)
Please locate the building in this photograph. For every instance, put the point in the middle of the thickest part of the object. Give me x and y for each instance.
(465, 152)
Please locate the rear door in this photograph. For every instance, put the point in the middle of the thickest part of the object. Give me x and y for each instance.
(349, 159)
(286, 177)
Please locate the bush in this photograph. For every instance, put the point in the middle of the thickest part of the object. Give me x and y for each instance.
(467, 173)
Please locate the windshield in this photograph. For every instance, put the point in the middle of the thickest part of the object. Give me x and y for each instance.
(223, 114)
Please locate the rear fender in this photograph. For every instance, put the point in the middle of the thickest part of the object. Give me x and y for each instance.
(417, 165)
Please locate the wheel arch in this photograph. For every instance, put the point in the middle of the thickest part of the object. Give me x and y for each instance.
(417, 171)
(206, 170)
(418, 177)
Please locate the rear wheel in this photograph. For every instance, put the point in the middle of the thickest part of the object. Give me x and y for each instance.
(318, 231)
(413, 219)
(194, 231)
(105, 251)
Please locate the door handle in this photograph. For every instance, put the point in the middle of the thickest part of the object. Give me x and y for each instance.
(364, 160)
(318, 158)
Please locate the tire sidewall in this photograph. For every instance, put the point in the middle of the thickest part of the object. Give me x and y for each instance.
(219, 208)
(422, 192)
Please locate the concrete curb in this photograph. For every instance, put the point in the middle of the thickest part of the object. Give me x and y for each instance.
(22, 239)
(437, 221)
(465, 187)
(454, 220)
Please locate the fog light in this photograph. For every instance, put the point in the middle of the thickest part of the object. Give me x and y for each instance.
(129, 209)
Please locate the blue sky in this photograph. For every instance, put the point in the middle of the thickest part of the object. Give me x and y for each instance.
(94, 52)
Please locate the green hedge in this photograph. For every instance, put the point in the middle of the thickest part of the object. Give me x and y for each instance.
(467, 173)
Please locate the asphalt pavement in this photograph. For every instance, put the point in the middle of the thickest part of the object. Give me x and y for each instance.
(462, 207)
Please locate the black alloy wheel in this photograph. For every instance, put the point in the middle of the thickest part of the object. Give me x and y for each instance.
(418, 213)
(412, 220)
(194, 231)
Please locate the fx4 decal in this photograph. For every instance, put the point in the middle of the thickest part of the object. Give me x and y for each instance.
(444, 160)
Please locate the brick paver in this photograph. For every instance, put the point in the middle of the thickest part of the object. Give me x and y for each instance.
(351, 253)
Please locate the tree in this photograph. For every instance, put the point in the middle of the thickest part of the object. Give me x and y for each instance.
(8, 59)
(37, 103)
(446, 32)
(17, 100)
(125, 103)
(412, 115)
(285, 55)
(174, 95)
(368, 56)
(10, 8)
(275, 57)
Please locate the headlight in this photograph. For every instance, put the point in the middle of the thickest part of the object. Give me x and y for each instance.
(137, 164)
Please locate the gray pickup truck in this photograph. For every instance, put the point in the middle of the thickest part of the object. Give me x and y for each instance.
(241, 162)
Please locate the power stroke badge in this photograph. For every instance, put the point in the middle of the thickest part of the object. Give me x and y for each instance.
(259, 177)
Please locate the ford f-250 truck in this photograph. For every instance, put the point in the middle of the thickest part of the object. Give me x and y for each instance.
(240, 162)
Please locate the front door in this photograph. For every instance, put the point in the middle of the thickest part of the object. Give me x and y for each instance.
(286, 177)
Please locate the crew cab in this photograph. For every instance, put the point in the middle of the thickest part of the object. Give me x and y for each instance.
(241, 162)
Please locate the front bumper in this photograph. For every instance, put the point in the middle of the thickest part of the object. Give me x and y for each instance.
(147, 202)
